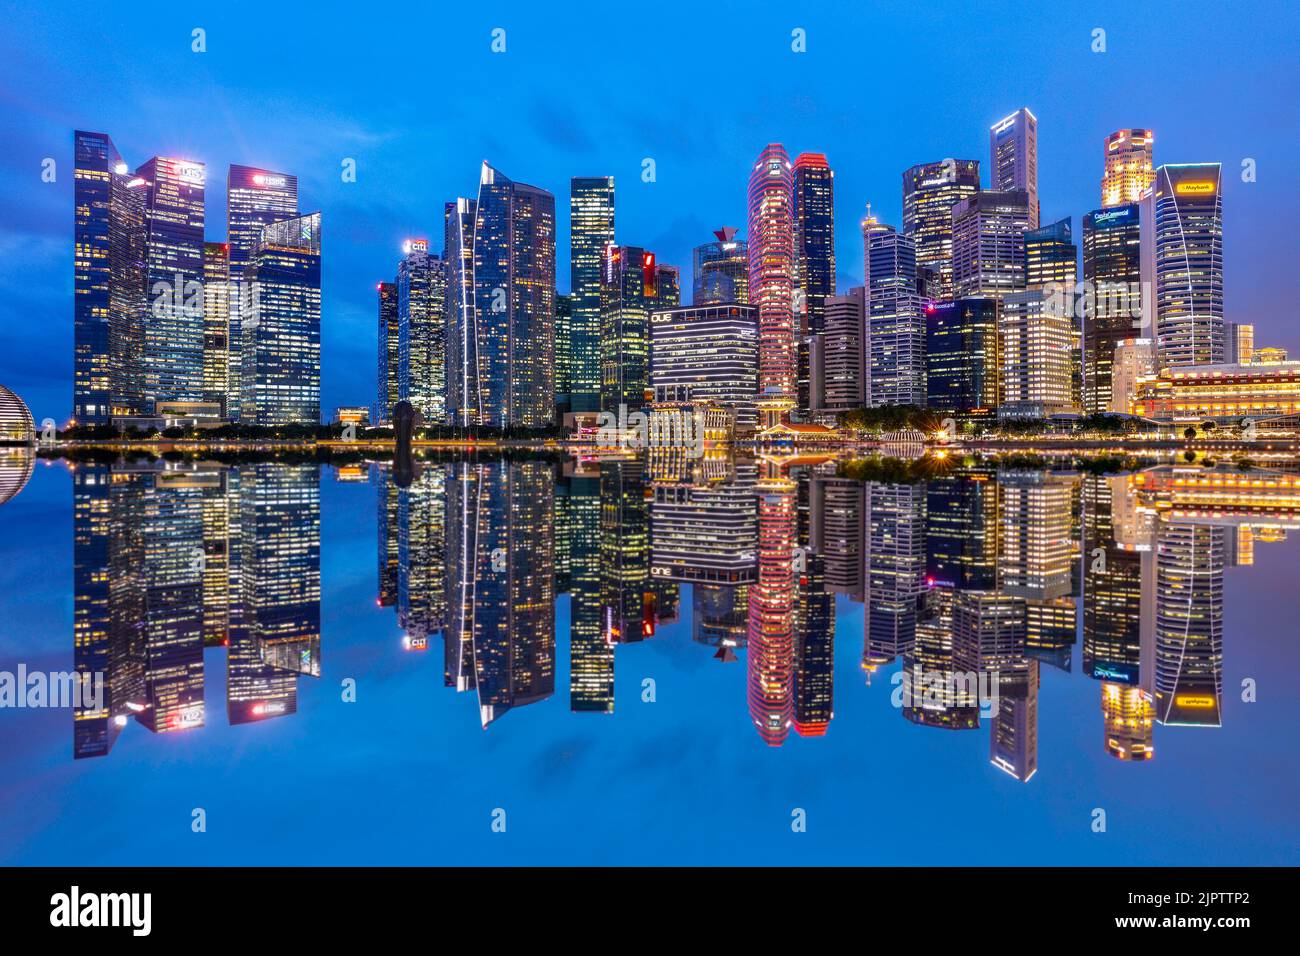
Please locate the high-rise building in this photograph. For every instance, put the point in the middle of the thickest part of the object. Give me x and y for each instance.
(893, 566)
(721, 270)
(591, 230)
(1036, 350)
(632, 286)
(254, 198)
(422, 331)
(961, 356)
(1051, 257)
(770, 662)
(705, 531)
(388, 383)
(591, 659)
(563, 353)
(771, 280)
(216, 324)
(280, 375)
(422, 554)
(814, 239)
(1112, 298)
(1134, 363)
(1188, 640)
(1240, 347)
(930, 191)
(502, 334)
(1034, 553)
(988, 243)
(710, 350)
(1128, 171)
(172, 356)
(1188, 248)
(895, 321)
(838, 380)
(1013, 157)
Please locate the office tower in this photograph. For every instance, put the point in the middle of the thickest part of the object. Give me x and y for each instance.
(632, 286)
(814, 648)
(771, 279)
(1127, 724)
(1190, 560)
(1034, 554)
(710, 350)
(108, 282)
(989, 636)
(216, 324)
(1128, 171)
(172, 356)
(838, 380)
(896, 323)
(988, 243)
(591, 659)
(1134, 363)
(961, 352)
(281, 349)
(894, 566)
(1112, 300)
(389, 500)
(705, 531)
(502, 339)
(501, 628)
(1188, 247)
(814, 239)
(1112, 584)
(254, 198)
(591, 231)
(930, 191)
(422, 331)
(1013, 738)
(389, 382)
(422, 554)
(1037, 348)
(721, 270)
(770, 661)
(962, 532)
(563, 353)
(1240, 347)
(462, 344)
(222, 613)
(1051, 257)
(837, 511)
(627, 607)
(1013, 157)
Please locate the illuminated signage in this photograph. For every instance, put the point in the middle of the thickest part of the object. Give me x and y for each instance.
(191, 173)
(1114, 215)
(268, 180)
(1195, 189)
(415, 245)
(1195, 701)
(268, 709)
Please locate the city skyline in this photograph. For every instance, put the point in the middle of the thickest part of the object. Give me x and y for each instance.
(696, 186)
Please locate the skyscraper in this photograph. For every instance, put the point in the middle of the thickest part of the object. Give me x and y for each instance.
(1188, 248)
(388, 393)
(172, 356)
(838, 380)
(462, 341)
(281, 334)
(1040, 344)
(814, 239)
(988, 243)
(632, 286)
(591, 230)
(254, 198)
(563, 353)
(961, 354)
(1128, 168)
(930, 190)
(1112, 301)
(503, 324)
(216, 324)
(895, 321)
(771, 278)
(712, 351)
(422, 331)
(1013, 155)
(721, 270)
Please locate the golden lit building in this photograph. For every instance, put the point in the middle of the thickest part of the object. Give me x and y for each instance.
(1221, 393)
(1129, 722)
(1129, 170)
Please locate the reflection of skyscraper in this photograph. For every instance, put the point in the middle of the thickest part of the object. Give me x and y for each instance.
(894, 566)
(771, 607)
(624, 553)
(1112, 586)
(707, 531)
(591, 657)
(1034, 548)
(389, 496)
(814, 648)
(962, 532)
(1013, 738)
(1190, 560)
(591, 231)
(421, 550)
(838, 515)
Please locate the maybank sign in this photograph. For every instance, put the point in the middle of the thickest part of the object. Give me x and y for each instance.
(1195, 189)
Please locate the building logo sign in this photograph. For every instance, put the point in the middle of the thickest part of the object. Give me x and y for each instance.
(1195, 189)
(269, 181)
(190, 173)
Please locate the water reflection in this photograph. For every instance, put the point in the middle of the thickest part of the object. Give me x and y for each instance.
(973, 579)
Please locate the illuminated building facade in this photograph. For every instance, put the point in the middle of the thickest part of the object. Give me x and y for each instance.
(961, 351)
(633, 285)
(838, 380)
(1224, 393)
(1240, 348)
(988, 243)
(770, 661)
(895, 322)
(721, 270)
(705, 531)
(591, 658)
(421, 555)
(1190, 560)
(1034, 553)
(771, 280)
(281, 348)
(893, 566)
(216, 323)
(1051, 257)
(711, 350)
(1013, 155)
(422, 331)
(930, 191)
(1134, 362)
(591, 231)
(563, 353)
(814, 239)
(1127, 722)
(1129, 171)
(388, 381)
(1113, 300)
(1037, 349)
(1187, 202)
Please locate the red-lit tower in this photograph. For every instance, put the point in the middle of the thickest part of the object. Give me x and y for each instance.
(771, 606)
(771, 280)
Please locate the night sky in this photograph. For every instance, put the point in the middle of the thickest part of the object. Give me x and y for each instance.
(415, 95)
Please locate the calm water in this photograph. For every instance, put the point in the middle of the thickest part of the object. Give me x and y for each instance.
(651, 662)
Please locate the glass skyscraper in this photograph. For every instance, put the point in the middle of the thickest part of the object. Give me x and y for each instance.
(771, 280)
(591, 230)
(1013, 153)
(630, 290)
(388, 393)
(1112, 301)
(1188, 228)
(930, 190)
(895, 321)
(721, 270)
(422, 331)
(814, 238)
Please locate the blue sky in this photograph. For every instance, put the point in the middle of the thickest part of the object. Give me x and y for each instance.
(414, 94)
